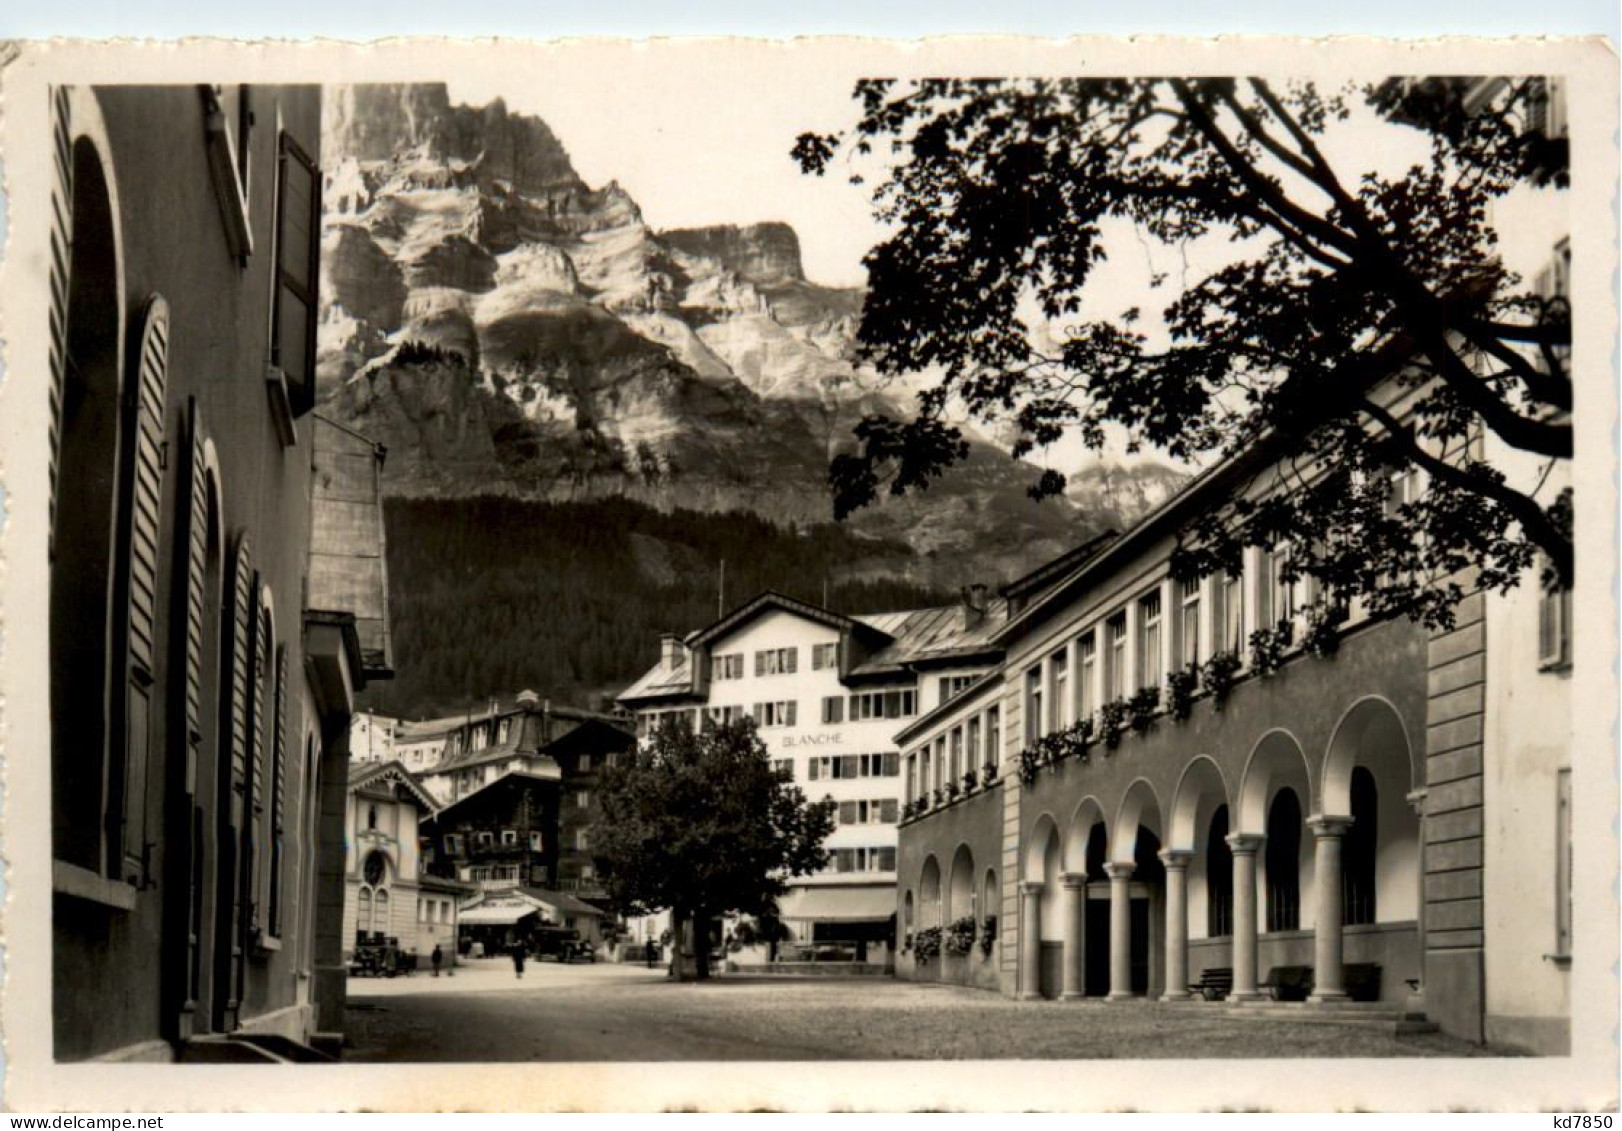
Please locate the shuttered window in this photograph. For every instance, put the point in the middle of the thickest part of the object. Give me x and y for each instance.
(298, 227)
(143, 507)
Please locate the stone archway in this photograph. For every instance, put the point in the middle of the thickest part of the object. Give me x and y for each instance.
(1137, 893)
(1199, 878)
(1041, 919)
(1276, 766)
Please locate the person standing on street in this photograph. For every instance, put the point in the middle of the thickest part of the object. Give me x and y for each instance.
(437, 958)
(518, 958)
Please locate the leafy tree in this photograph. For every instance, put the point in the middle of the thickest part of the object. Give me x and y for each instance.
(703, 825)
(1004, 197)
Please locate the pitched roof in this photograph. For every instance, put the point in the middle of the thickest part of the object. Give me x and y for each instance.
(364, 774)
(932, 636)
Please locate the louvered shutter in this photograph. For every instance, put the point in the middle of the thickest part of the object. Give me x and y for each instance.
(892, 763)
(297, 254)
(887, 811)
(811, 773)
(847, 812)
(150, 364)
(61, 257)
(278, 785)
(849, 766)
(238, 688)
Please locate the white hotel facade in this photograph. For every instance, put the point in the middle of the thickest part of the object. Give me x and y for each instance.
(828, 693)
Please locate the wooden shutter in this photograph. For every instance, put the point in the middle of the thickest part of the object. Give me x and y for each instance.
(61, 258)
(188, 739)
(239, 624)
(278, 787)
(847, 812)
(849, 766)
(887, 811)
(892, 763)
(149, 390)
(298, 244)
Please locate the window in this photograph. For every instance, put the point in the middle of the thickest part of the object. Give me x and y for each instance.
(1283, 862)
(298, 246)
(580, 840)
(582, 799)
(994, 735)
(723, 716)
(825, 656)
(1562, 864)
(883, 705)
(1086, 674)
(1283, 591)
(912, 775)
(371, 817)
(942, 770)
(777, 661)
(1218, 877)
(1230, 590)
(777, 714)
(1554, 625)
(509, 838)
(833, 709)
(729, 666)
(1033, 704)
(484, 839)
(926, 779)
(1058, 688)
(973, 744)
(479, 737)
(1188, 628)
(951, 686)
(1358, 851)
(957, 754)
(784, 768)
(504, 731)
(1115, 632)
(453, 844)
(863, 860)
(1149, 659)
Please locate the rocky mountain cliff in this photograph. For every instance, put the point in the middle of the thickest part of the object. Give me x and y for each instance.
(506, 328)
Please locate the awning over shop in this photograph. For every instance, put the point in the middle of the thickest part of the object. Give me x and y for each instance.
(496, 915)
(838, 905)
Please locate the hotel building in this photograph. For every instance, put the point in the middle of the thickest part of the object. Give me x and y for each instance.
(828, 693)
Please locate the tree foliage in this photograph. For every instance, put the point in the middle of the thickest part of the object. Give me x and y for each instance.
(1005, 198)
(701, 824)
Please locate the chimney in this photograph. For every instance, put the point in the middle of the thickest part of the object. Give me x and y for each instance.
(670, 649)
(974, 604)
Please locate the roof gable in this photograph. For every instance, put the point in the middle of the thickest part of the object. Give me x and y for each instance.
(396, 775)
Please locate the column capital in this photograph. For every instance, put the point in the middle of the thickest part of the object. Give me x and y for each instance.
(1073, 880)
(1329, 825)
(1176, 858)
(1031, 887)
(1246, 844)
(1119, 871)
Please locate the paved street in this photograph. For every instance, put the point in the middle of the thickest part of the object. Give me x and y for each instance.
(627, 1013)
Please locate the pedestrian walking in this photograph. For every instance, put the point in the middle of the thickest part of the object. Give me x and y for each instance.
(518, 958)
(436, 958)
(653, 952)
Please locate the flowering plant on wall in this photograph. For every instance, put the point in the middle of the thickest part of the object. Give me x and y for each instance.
(1051, 749)
(960, 936)
(1323, 628)
(951, 788)
(988, 772)
(1180, 688)
(927, 943)
(1218, 676)
(1112, 722)
(988, 934)
(970, 780)
(1142, 707)
(1267, 647)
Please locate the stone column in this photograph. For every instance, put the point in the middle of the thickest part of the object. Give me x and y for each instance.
(1120, 930)
(1328, 950)
(1075, 935)
(1030, 939)
(1176, 862)
(1244, 846)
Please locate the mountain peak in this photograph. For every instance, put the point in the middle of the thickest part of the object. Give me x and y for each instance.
(765, 254)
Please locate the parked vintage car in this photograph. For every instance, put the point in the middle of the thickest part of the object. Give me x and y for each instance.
(562, 944)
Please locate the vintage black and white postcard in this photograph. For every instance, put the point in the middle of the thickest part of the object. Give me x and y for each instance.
(973, 574)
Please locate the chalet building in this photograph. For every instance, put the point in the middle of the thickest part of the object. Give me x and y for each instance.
(418, 745)
(562, 746)
(828, 693)
(1209, 785)
(216, 589)
(387, 892)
